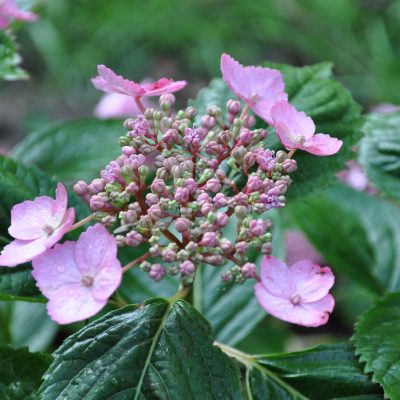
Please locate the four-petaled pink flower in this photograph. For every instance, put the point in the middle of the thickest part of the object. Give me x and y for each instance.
(297, 131)
(79, 277)
(259, 87)
(36, 226)
(299, 294)
(108, 81)
(10, 12)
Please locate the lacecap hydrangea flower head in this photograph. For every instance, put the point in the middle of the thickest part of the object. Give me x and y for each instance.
(180, 183)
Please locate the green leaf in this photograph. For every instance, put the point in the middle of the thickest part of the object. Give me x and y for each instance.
(160, 351)
(72, 150)
(377, 343)
(10, 59)
(363, 233)
(17, 184)
(216, 93)
(380, 152)
(325, 372)
(313, 90)
(20, 373)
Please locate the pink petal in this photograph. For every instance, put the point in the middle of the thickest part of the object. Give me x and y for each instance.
(61, 203)
(29, 217)
(115, 105)
(259, 87)
(56, 269)
(274, 277)
(108, 81)
(163, 86)
(310, 281)
(95, 249)
(73, 303)
(312, 314)
(322, 145)
(107, 280)
(21, 251)
(291, 125)
(277, 306)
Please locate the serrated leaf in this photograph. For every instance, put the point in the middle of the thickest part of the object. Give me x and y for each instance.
(10, 59)
(160, 351)
(377, 343)
(325, 372)
(380, 152)
(363, 233)
(17, 184)
(72, 150)
(21, 373)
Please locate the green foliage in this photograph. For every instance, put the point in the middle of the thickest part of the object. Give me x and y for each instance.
(380, 152)
(20, 373)
(360, 241)
(377, 343)
(72, 150)
(325, 372)
(10, 59)
(161, 350)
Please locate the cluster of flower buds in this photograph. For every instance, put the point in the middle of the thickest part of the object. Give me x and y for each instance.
(182, 179)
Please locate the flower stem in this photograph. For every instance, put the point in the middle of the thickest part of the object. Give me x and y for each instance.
(244, 112)
(244, 358)
(172, 238)
(82, 222)
(181, 293)
(291, 152)
(139, 104)
(135, 262)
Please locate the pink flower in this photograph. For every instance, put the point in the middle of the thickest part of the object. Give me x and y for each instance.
(108, 81)
(259, 87)
(9, 12)
(297, 131)
(298, 294)
(79, 277)
(36, 226)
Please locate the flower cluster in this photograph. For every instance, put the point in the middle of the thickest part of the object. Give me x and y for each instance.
(195, 189)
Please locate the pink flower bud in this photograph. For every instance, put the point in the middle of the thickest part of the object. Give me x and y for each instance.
(203, 198)
(233, 106)
(210, 239)
(226, 245)
(81, 188)
(132, 188)
(249, 271)
(128, 150)
(241, 247)
(182, 195)
(158, 186)
(191, 185)
(97, 202)
(167, 98)
(187, 268)
(257, 227)
(96, 186)
(245, 136)
(249, 121)
(170, 136)
(222, 219)
(213, 185)
(289, 166)
(168, 255)
(182, 224)
(212, 148)
(214, 260)
(155, 212)
(134, 238)
(206, 208)
(220, 200)
(207, 121)
(157, 272)
(254, 184)
(152, 198)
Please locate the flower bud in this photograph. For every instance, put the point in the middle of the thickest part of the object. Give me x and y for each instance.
(182, 195)
(233, 107)
(249, 271)
(158, 186)
(134, 238)
(212, 185)
(220, 200)
(190, 113)
(81, 188)
(157, 272)
(167, 98)
(187, 268)
(168, 255)
(241, 247)
(210, 239)
(222, 219)
(207, 121)
(289, 166)
(257, 227)
(182, 224)
(241, 212)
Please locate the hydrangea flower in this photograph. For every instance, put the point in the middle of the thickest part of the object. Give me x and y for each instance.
(9, 12)
(298, 294)
(259, 87)
(297, 131)
(36, 226)
(79, 277)
(108, 81)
